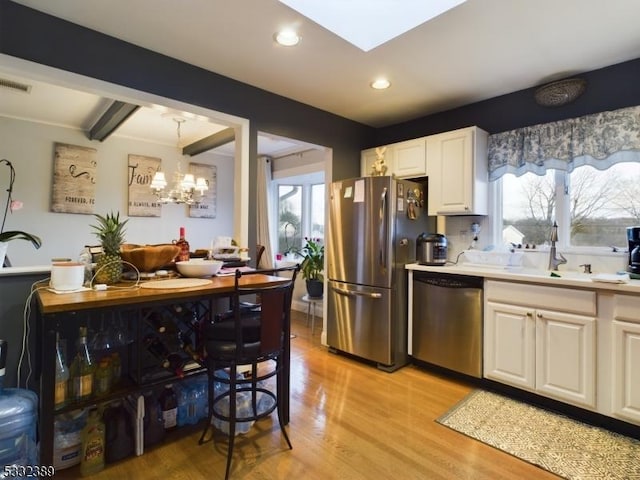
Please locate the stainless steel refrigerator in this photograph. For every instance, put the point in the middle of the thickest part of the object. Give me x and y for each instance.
(375, 222)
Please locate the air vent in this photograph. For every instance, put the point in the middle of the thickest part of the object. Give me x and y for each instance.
(10, 84)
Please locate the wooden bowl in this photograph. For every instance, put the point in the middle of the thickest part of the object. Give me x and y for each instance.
(149, 258)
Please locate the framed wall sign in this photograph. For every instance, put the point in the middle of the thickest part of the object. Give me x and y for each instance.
(207, 206)
(74, 179)
(142, 200)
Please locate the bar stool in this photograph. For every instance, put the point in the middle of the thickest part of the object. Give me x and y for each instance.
(240, 337)
(311, 309)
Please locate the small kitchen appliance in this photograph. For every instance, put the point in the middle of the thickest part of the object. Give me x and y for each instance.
(431, 249)
(633, 237)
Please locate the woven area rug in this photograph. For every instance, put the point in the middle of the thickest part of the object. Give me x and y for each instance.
(560, 445)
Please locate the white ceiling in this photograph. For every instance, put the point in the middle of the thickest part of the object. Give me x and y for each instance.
(478, 50)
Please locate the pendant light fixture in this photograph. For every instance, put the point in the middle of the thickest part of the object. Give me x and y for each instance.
(185, 189)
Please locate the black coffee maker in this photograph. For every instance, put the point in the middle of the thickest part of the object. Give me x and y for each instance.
(633, 236)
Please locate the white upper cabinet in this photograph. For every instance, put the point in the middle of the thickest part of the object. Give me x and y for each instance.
(457, 170)
(403, 159)
(369, 156)
(410, 158)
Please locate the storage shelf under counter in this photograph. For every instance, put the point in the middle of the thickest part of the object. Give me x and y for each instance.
(130, 307)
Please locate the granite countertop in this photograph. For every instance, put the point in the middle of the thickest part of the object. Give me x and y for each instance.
(541, 277)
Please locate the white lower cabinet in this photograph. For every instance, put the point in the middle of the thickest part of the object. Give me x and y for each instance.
(550, 352)
(509, 350)
(566, 357)
(626, 358)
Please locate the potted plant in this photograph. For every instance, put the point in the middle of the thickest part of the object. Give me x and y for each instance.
(313, 266)
(11, 206)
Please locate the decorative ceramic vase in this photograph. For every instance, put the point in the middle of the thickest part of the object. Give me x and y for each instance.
(315, 288)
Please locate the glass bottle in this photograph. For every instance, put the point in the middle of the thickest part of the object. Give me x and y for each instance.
(116, 368)
(82, 369)
(187, 345)
(62, 376)
(103, 377)
(182, 242)
(93, 445)
(157, 349)
(169, 406)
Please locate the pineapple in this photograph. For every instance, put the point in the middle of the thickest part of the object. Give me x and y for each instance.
(110, 231)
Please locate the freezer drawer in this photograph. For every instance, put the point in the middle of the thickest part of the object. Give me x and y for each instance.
(359, 321)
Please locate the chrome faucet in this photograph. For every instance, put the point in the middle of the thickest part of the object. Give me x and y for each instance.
(553, 260)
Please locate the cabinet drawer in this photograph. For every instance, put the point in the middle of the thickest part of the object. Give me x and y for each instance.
(556, 298)
(627, 308)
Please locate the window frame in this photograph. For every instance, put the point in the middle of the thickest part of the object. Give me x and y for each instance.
(307, 182)
(562, 217)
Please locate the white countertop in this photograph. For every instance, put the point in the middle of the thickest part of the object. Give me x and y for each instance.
(35, 269)
(566, 279)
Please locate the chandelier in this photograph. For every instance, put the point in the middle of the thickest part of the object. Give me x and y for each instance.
(185, 188)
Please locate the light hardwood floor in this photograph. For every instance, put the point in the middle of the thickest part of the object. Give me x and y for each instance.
(349, 420)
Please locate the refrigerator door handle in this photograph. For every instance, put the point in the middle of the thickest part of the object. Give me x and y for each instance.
(350, 293)
(383, 237)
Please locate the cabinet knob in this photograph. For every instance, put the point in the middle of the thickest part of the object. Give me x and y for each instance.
(539, 315)
(529, 314)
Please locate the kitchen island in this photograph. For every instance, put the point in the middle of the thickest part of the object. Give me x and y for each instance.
(128, 307)
(568, 336)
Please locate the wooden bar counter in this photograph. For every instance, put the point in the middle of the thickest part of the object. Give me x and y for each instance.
(128, 304)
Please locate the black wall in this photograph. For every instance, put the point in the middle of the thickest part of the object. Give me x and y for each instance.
(31, 35)
(609, 88)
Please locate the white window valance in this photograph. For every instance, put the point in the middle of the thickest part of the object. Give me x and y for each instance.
(600, 140)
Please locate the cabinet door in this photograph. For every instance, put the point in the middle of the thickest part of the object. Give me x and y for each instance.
(509, 345)
(626, 370)
(410, 158)
(566, 357)
(450, 172)
(369, 156)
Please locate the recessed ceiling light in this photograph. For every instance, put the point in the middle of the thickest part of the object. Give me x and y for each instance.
(287, 38)
(380, 84)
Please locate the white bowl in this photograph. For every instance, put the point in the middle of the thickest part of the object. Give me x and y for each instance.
(198, 267)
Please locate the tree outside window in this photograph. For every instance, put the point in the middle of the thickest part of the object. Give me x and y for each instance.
(600, 205)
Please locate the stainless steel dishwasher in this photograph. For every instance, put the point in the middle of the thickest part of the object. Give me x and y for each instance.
(447, 321)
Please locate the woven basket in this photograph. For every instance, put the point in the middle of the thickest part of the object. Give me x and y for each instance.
(148, 258)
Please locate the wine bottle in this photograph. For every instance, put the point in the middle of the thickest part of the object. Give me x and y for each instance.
(170, 360)
(187, 346)
(188, 317)
(103, 376)
(159, 323)
(82, 369)
(183, 254)
(62, 376)
(157, 349)
(169, 407)
(116, 368)
(176, 364)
